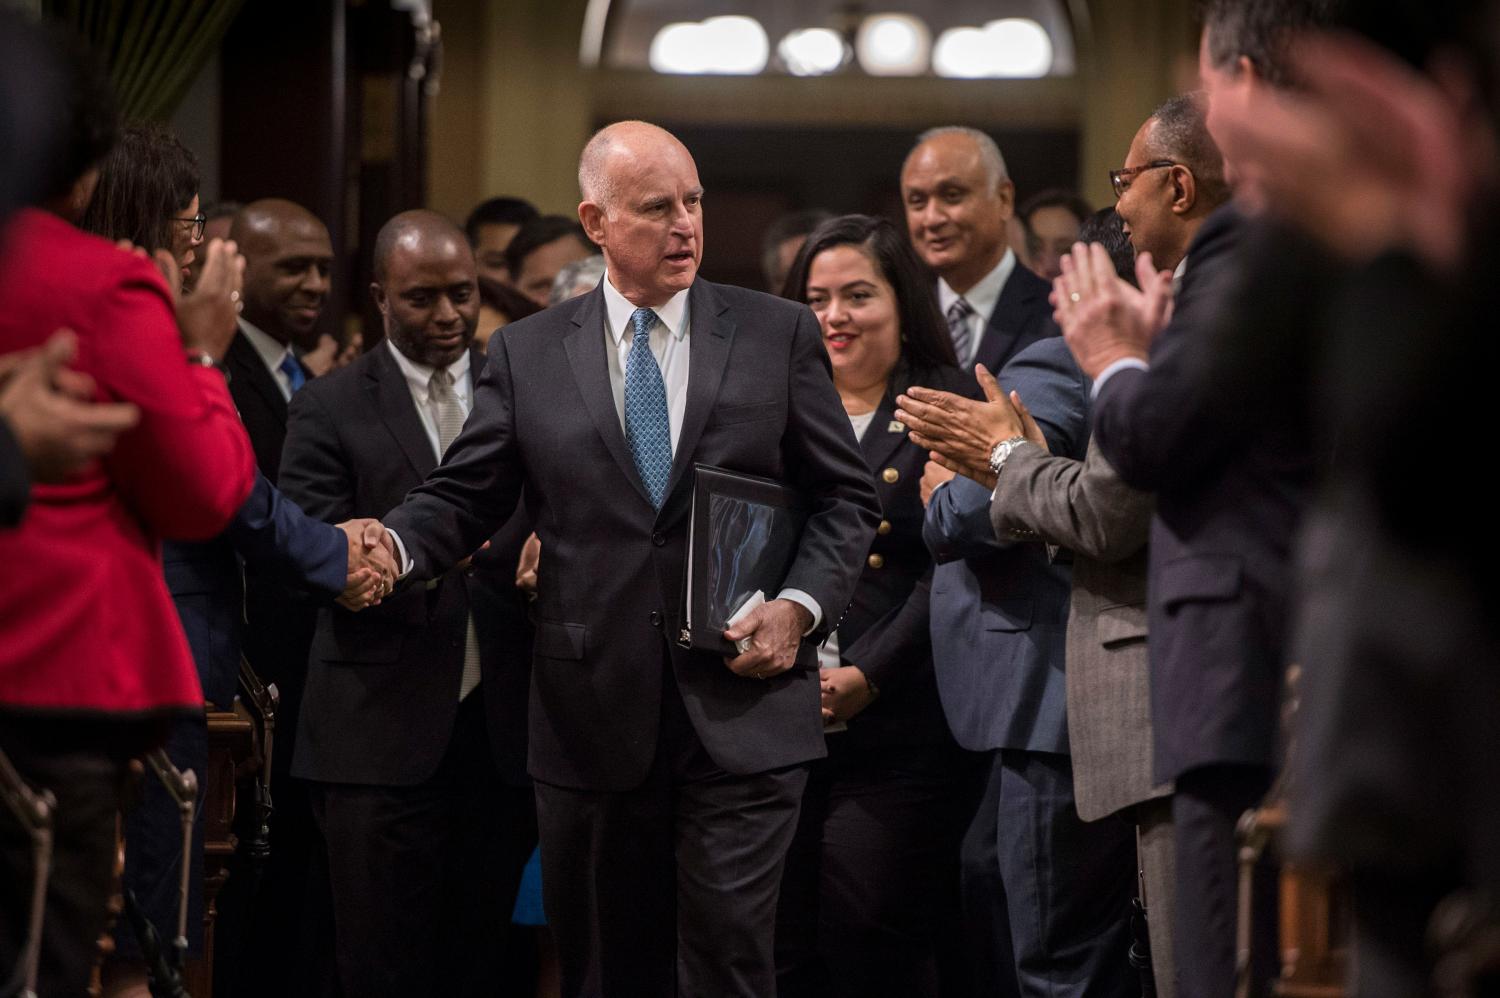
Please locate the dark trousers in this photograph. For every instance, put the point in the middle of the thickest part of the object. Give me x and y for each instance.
(1067, 883)
(871, 880)
(1205, 809)
(669, 888)
(424, 877)
(84, 765)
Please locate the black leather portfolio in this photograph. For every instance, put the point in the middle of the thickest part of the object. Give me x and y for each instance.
(742, 538)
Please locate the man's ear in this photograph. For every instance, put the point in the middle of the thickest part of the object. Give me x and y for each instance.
(1007, 195)
(591, 217)
(1184, 190)
(378, 294)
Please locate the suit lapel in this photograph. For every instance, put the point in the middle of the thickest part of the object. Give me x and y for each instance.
(1008, 321)
(585, 345)
(884, 435)
(388, 389)
(245, 364)
(710, 335)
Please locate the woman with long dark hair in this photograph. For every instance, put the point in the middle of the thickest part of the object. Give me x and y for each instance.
(870, 887)
(148, 193)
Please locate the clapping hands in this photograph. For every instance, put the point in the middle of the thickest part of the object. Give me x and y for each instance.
(960, 433)
(1103, 318)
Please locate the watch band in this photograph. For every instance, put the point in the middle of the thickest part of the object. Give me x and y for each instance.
(1002, 451)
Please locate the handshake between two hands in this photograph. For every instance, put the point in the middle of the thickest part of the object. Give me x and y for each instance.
(372, 564)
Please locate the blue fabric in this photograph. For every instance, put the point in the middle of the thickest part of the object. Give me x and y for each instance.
(647, 426)
(293, 371)
(528, 909)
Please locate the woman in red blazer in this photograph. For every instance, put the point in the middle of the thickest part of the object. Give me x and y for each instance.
(92, 655)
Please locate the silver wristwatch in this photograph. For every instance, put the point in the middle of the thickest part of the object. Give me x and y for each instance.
(1001, 451)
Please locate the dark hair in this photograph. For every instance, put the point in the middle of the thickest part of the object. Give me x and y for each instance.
(505, 299)
(782, 228)
(1181, 134)
(1107, 228)
(1055, 197)
(925, 341)
(1260, 30)
(91, 116)
(498, 211)
(146, 181)
(221, 209)
(538, 232)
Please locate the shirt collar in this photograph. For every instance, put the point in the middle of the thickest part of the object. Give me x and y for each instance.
(986, 294)
(271, 352)
(617, 307)
(1177, 274)
(419, 376)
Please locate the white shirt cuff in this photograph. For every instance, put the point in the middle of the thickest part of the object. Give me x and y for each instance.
(798, 596)
(403, 563)
(1115, 368)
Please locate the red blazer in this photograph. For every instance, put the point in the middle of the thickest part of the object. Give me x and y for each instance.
(86, 624)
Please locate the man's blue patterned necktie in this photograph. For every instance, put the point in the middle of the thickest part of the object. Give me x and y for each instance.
(293, 371)
(647, 426)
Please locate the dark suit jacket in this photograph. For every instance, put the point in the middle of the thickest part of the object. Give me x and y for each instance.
(1229, 493)
(1021, 317)
(258, 398)
(382, 685)
(1000, 610)
(885, 632)
(761, 401)
(207, 585)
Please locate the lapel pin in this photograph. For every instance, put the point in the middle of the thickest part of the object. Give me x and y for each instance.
(896, 427)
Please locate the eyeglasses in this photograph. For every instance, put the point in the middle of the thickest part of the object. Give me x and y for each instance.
(198, 221)
(1121, 180)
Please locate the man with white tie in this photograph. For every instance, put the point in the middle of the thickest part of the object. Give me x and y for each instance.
(413, 719)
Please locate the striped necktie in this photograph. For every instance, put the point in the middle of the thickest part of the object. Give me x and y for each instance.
(958, 328)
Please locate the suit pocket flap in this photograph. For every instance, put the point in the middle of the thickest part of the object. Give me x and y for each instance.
(555, 640)
(1206, 578)
(1006, 615)
(1122, 624)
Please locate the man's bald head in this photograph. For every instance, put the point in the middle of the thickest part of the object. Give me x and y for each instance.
(417, 232)
(614, 149)
(643, 207)
(426, 287)
(288, 257)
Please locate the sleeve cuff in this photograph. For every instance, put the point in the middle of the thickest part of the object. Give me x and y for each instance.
(403, 563)
(1122, 364)
(798, 596)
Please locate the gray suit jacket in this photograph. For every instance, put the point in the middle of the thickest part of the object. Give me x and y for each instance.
(1085, 507)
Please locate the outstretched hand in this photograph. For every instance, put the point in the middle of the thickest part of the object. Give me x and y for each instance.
(961, 432)
(1103, 318)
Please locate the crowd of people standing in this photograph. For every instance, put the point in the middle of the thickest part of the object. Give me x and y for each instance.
(1084, 490)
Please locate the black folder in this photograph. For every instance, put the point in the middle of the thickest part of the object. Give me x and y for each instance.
(743, 536)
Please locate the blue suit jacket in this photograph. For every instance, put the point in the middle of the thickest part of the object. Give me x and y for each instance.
(1000, 610)
(271, 533)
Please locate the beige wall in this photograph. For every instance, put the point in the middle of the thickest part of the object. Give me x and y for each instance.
(515, 106)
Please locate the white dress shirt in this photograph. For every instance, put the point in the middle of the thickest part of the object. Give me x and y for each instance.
(982, 298)
(271, 354)
(419, 380)
(419, 383)
(671, 346)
